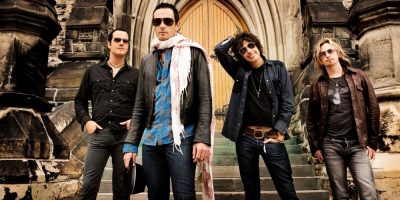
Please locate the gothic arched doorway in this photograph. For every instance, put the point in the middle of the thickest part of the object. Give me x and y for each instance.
(208, 22)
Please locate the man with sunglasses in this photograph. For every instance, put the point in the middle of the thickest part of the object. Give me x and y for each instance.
(111, 88)
(173, 111)
(343, 121)
(259, 113)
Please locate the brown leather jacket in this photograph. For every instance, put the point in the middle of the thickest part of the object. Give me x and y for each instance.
(364, 103)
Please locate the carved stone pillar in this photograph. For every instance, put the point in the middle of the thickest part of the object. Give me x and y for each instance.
(27, 135)
(26, 30)
(376, 23)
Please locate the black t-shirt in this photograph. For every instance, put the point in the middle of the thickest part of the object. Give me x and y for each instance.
(340, 112)
(258, 108)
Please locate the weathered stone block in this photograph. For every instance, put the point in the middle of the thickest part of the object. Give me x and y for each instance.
(377, 57)
(68, 189)
(73, 134)
(71, 169)
(342, 32)
(80, 150)
(22, 135)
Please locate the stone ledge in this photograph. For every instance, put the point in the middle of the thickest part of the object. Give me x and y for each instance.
(387, 164)
(68, 189)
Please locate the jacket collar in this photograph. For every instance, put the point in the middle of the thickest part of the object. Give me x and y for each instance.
(347, 70)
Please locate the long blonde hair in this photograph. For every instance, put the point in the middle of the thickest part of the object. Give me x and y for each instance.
(343, 58)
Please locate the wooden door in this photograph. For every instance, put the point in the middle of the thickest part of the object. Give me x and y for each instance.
(208, 22)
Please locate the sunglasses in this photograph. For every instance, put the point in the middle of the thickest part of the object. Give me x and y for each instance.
(167, 21)
(325, 53)
(250, 45)
(118, 40)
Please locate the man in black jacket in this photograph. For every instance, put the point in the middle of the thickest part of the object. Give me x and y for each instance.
(173, 110)
(111, 88)
(259, 113)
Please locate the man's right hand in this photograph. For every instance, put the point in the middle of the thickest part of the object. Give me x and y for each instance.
(91, 126)
(318, 155)
(127, 159)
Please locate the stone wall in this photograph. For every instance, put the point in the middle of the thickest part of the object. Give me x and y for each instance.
(63, 9)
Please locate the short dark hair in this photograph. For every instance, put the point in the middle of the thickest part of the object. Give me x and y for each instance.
(170, 6)
(110, 35)
(238, 43)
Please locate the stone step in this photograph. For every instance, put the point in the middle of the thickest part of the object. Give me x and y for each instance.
(270, 195)
(231, 150)
(222, 141)
(231, 160)
(233, 171)
(235, 184)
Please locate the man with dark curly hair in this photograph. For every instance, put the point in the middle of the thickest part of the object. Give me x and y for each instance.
(259, 113)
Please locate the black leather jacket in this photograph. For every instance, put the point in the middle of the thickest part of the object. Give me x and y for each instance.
(196, 106)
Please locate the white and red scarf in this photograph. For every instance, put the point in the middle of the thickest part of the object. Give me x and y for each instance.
(179, 79)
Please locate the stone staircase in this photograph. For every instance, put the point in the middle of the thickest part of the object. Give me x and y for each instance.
(227, 182)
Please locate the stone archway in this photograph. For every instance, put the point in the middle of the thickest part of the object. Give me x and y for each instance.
(275, 22)
(209, 22)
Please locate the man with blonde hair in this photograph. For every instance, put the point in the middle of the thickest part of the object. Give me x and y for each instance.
(343, 121)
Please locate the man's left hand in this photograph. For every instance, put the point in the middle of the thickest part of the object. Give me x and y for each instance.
(371, 153)
(126, 123)
(200, 152)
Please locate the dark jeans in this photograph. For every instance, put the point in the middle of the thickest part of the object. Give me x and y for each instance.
(102, 144)
(163, 162)
(340, 155)
(277, 161)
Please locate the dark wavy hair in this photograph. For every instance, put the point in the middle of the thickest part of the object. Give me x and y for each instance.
(110, 35)
(170, 6)
(238, 43)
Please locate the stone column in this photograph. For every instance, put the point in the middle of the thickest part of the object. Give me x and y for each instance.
(26, 30)
(376, 23)
(27, 136)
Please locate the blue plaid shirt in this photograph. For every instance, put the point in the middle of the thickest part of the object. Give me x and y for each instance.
(160, 132)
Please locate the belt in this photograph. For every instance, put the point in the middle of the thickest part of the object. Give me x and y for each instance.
(261, 132)
(342, 140)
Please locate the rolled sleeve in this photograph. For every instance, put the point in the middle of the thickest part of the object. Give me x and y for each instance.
(130, 148)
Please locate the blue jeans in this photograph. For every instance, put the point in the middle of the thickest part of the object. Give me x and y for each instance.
(277, 161)
(340, 155)
(163, 162)
(102, 144)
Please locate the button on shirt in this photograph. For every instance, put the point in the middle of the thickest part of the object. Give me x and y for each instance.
(112, 98)
(160, 132)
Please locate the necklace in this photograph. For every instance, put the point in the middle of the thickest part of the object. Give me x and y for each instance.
(114, 69)
(259, 85)
(112, 66)
(336, 82)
